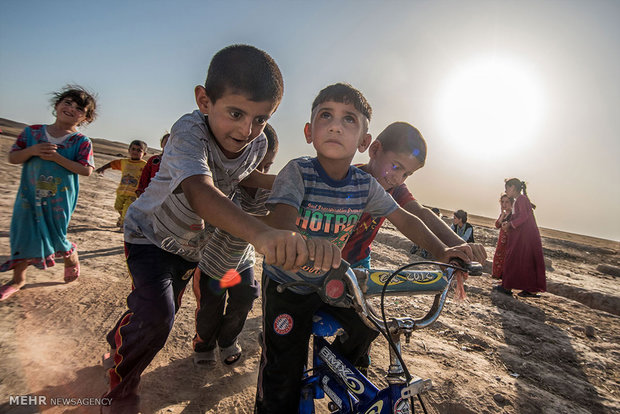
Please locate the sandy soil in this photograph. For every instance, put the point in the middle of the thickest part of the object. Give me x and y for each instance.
(491, 354)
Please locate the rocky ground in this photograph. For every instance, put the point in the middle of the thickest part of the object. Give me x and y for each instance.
(490, 354)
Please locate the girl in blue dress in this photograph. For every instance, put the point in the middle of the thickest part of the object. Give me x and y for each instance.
(52, 156)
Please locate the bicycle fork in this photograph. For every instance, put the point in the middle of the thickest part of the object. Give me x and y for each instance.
(396, 373)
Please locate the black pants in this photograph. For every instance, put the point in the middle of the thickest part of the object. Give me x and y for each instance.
(287, 326)
(214, 325)
(159, 279)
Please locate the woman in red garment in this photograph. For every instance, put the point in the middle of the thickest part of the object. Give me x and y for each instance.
(505, 203)
(524, 265)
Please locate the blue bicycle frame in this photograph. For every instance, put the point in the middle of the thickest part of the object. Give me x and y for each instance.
(332, 375)
(349, 390)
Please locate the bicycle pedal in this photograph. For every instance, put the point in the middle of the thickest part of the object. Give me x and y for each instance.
(417, 386)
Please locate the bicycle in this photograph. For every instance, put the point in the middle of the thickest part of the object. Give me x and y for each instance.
(348, 389)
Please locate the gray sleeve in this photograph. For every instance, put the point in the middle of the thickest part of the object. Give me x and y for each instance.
(288, 188)
(380, 203)
(186, 151)
(253, 205)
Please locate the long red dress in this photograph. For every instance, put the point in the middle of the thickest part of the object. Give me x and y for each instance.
(524, 265)
(500, 249)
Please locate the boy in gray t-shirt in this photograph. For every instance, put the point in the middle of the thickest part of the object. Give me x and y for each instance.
(323, 198)
(208, 153)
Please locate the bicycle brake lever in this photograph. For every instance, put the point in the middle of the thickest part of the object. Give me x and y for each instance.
(473, 268)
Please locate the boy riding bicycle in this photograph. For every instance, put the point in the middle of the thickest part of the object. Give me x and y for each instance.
(323, 198)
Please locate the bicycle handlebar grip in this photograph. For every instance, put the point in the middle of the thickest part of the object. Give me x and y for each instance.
(474, 269)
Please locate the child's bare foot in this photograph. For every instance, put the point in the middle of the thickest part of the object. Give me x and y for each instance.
(19, 280)
(9, 290)
(72, 267)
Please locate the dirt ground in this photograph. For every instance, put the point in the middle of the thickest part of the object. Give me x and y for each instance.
(490, 354)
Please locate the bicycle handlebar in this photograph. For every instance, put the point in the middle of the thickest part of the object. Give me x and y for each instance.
(341, 288)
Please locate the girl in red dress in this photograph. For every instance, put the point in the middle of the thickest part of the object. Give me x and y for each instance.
(524, 265)
(505, 203)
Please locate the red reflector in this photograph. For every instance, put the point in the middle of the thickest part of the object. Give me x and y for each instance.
(334, 289)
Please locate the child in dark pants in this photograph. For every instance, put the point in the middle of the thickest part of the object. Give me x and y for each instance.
(226, 269)
(208, 153)
(323, 198)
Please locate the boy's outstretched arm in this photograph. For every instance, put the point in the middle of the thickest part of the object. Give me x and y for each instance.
(322, 252)
(104, 167)
(475, 251)
(258, 179)
(415, 230)
(283, 248)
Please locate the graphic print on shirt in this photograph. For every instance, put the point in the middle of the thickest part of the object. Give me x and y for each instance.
(316, 220)
(129, 180)
(47, 186)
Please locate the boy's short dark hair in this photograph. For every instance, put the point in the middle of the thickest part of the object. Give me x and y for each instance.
(402, 137)
(244, 70)
(272, 138)
(142, 144)
(83, 98)
(344, 93)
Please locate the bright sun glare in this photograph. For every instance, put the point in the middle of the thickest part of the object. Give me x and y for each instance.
(490, 106)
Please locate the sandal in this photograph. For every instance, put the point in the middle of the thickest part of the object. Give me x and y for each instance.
(72, 272)
(500, 288)
(7, 291)
(526, 294)
(205, 359)
(231, 354)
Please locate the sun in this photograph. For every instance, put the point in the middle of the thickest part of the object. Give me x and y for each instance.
(490, 106)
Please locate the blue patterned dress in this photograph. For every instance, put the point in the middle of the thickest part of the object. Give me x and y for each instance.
(46, 198)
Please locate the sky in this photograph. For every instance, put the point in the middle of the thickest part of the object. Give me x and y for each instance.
(499, 89)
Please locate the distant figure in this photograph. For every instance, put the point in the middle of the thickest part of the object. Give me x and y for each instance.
(505, 203)
(131, 170)
(461, 227)
(52, 157)
(524, 264)
(151, 167)
(436, 211)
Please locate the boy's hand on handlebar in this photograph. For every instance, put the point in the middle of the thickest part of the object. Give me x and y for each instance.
(459, 252)
(323, 253)
(283, 248)
(478, 253)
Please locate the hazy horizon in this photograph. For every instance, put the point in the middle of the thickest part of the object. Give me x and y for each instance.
(498, 89)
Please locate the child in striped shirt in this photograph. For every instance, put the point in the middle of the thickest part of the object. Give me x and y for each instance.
(323, 198)
(226, 270)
